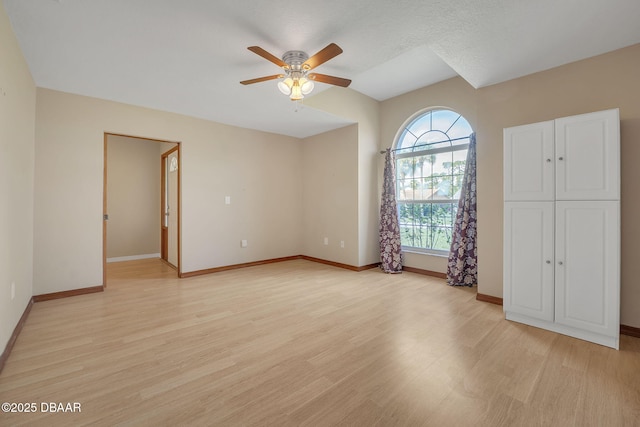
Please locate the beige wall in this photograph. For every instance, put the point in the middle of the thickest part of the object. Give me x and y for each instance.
(365, 112)
(603, 82)
(17, 120)
(133, 196)
(259, 171)
(330, 195)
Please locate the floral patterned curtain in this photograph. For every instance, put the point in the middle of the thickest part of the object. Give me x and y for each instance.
(390, 246)
(462, 269)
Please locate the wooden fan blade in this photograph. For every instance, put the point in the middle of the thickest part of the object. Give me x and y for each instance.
(323, 56)
(269, 57)
(262, 79)
(323, 78)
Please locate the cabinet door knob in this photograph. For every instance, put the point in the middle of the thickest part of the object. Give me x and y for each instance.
(560, 158)
(548, 160)
(559, 262)
(548, 262)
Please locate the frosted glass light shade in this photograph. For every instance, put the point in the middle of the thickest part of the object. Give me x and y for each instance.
(306, 86)
(285, 86)
(296, 92)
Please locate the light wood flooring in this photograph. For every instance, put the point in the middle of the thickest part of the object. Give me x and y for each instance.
(301, 343)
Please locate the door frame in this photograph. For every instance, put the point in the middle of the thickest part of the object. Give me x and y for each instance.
(104, 199)
(164, 237)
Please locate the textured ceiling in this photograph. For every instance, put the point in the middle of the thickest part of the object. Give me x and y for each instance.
(188, 56)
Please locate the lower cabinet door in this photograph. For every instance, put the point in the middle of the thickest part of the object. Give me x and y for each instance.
(528, 259)
(587, 278)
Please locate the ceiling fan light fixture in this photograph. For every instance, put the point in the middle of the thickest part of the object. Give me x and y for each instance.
(296, 91)
(306, 86)
(285, 86)
(296, 87)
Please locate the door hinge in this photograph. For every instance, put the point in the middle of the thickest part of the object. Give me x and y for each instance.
(105, 217)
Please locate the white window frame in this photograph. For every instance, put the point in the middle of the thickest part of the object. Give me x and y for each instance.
(403, 153)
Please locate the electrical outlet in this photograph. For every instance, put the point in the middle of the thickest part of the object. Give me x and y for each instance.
(326, 240)
(243, 244)
(227, 200)
(342, 244)
(13, 291)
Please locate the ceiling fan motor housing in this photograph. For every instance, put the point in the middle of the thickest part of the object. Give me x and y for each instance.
(294, 59)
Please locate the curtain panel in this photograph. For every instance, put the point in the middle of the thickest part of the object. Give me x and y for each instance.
(462, 268)
(390, 246)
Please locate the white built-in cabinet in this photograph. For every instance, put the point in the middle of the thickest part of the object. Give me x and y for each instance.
(562, 226)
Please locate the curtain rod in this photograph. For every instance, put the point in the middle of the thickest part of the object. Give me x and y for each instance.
(430, 143)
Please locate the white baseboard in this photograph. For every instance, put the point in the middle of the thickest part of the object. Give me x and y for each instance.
(132, 257)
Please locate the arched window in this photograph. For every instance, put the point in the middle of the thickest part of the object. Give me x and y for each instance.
(431, 152)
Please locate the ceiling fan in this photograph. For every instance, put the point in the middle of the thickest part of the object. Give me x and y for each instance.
(297, 81)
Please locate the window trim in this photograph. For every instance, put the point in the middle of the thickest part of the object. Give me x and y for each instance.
(436, 151)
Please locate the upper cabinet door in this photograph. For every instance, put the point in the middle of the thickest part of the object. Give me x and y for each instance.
(528, 162)
(588, 156)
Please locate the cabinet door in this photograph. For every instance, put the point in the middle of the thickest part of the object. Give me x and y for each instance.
(588, 156)
(528, 259)
(587, 266)
(528, 162)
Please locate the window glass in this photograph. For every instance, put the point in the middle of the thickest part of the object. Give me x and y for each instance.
(431, 153)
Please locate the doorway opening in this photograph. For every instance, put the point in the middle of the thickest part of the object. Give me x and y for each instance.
(169, 206)
(141, 206)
